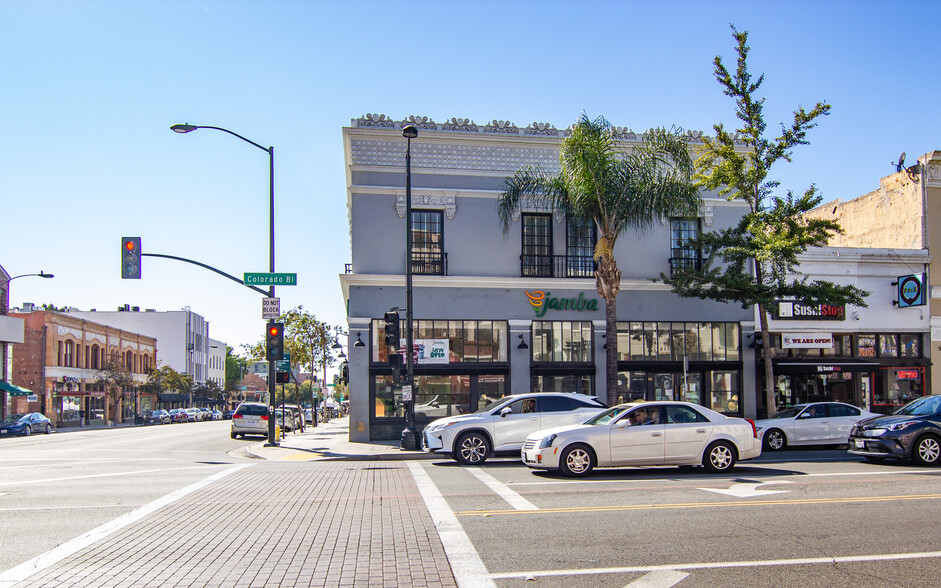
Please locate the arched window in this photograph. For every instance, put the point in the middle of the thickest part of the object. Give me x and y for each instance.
(129, 361)
(94, 357)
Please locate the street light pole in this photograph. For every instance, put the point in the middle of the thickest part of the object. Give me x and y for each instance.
(186, 128)
(409, 434)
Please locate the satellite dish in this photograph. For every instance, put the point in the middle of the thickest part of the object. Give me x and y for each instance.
(901, 162)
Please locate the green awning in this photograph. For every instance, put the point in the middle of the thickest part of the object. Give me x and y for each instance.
(14, 390)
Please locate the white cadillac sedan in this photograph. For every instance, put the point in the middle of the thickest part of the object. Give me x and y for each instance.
(503, 425)
(816, 423)
(644, 434)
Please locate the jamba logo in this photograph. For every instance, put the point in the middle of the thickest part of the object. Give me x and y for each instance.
(542, 301)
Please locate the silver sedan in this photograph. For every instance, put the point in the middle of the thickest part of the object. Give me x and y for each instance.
(643, 434)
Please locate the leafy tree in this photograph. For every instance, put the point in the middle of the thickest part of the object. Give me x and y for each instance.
(116, 380)
(235, 368)
(616, 190)
(751, 262)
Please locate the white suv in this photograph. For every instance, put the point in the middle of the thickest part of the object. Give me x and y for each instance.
(502, 426)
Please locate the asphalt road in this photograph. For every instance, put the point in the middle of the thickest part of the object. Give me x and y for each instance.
(797, 518)
(56, 487)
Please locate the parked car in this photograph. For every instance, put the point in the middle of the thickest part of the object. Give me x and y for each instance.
(296, 412)
(216, 415)
(816, 423)
(502, 426)
(911, 432)
(227, 414)
(285, 418)
(643, 434)
(178, 415)
(250, 418)
(25, 424)
(158, 417)
(193, 414)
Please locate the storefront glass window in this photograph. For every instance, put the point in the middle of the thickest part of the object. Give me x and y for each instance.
(441, 396)
(725, 392)
(888, 345)
(911, 345)
(388, 398)
(490, 388)
(865, 345)
(579, 384)
(468, 341)
(558, 341)
(632, 386)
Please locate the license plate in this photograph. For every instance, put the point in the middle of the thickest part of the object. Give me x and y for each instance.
(860, 443)
(3, 431)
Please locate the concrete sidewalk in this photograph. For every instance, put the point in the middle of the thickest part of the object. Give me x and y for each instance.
(331, 441)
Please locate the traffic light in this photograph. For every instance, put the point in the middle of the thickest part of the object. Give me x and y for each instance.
(282, 377)
(392, 329)
(130, 258)
(274, 342)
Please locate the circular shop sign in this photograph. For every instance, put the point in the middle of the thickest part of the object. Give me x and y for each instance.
(910, 290)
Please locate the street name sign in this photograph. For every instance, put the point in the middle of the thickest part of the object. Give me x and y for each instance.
(270, 308)
(268, 279)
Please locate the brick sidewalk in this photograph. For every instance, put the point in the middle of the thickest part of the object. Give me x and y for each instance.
(332, 524)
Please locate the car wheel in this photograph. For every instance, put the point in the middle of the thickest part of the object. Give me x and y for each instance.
(576, 461)
(48, 429)
(234, 435)
(28, 430)
(719, 457)
(472, 449)
(775, 440)
(927, 451)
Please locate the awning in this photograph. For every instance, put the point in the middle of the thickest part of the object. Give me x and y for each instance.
(14, 390)
(172, 398)
(784, 367)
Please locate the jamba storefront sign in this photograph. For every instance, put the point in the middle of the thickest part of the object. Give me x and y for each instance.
(791, 310)
(544, 301)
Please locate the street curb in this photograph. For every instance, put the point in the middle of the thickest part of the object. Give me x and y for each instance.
(253, 452)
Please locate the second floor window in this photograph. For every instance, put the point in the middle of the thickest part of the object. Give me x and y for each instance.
(536, 254)
(682, 254)
(428, 256)
(580, 241)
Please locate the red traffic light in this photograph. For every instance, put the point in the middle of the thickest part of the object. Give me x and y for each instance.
(130, 245)
(274, 330)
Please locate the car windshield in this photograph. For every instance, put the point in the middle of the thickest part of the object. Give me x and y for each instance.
(607, 416)
(789, 413)
(13, 418)
(926, 406)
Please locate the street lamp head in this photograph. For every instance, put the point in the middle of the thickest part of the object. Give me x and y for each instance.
(44, 275)
(410, 132)
(178, 128)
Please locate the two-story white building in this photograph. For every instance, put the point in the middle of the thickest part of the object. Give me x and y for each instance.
(515, 312)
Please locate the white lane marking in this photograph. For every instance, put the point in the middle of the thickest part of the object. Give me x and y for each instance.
(511, 497)
(748, 490)
(131, 473)
(721, 564)
(691, 479)
(658, 579)
(469, 570)
(57, 554)
(76, 507)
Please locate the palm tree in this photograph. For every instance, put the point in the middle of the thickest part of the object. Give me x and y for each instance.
(616, 189)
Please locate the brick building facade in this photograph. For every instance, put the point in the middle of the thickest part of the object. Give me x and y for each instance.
(60, 360)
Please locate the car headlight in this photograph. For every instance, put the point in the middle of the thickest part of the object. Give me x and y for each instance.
(440, 426)
(900, 426)
(547, 441)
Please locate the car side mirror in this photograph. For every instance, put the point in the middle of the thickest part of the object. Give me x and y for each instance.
(622, 423)
(505, 411)
(803, 415)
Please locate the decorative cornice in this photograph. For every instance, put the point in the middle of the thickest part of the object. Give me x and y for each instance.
(446, 202)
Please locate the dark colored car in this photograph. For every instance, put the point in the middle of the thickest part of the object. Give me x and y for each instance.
(178, 415)
(227, 414)
(158, 417)
(25, 424)
(911, 432)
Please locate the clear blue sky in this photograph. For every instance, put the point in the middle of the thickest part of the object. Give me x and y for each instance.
(90, 89)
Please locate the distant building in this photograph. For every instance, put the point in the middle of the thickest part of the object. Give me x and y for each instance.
(184, 339)
(60, 360)
(11, 331)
